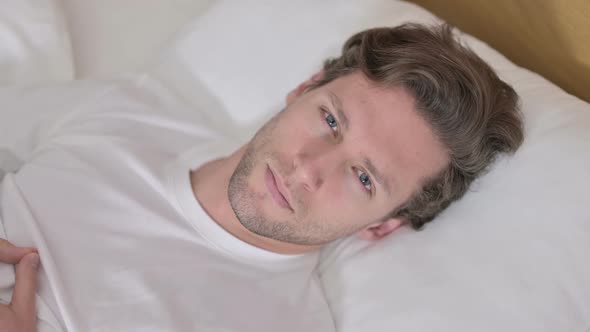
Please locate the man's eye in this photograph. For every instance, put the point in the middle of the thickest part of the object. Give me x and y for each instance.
(365, 180)
(331, 121)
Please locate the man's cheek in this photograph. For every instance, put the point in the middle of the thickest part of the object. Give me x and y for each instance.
(334, 195)
(301, 126)
(346, 196)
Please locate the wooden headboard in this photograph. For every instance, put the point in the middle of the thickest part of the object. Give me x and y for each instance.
(550, 37)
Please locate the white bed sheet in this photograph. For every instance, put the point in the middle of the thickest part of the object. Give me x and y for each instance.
(34, 42)
(511, 256)
(34, 49)
(112, 37)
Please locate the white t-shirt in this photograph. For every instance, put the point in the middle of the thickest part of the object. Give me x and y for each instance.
(106, 198)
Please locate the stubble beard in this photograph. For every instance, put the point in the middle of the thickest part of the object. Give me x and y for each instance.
(243, 199)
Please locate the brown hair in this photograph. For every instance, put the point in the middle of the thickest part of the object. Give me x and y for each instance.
(471, 111)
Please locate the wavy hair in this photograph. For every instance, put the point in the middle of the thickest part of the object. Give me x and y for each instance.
(470, 109)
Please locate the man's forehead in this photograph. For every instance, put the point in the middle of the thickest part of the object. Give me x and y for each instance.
(362, 95)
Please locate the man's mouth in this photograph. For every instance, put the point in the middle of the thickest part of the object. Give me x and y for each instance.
(274, 185)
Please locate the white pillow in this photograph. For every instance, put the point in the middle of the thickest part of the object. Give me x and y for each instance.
(34, 42)
(512, 255)
(249, 54)
(113, 37)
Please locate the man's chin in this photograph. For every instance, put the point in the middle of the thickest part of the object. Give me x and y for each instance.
(282, 233)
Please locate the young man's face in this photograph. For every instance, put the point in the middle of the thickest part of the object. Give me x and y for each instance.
(334, 162)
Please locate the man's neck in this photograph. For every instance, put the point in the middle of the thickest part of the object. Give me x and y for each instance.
(210, 184)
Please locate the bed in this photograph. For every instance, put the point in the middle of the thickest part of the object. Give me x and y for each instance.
(511, 256)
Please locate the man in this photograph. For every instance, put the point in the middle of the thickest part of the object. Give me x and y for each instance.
(146, 218)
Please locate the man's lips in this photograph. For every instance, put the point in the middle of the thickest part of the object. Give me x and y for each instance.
(273, 185)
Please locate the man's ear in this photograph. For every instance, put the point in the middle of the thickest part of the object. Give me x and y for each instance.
(379, 230)
(294, 94)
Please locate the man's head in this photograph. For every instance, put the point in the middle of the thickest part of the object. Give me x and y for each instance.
(392, 131)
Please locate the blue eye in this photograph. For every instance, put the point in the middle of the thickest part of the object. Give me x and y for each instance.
(331, 121)
(365, 180)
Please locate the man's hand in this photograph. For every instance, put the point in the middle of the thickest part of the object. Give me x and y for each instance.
(21, 314)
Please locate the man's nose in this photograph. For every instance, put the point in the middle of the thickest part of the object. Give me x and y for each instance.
(313, 163)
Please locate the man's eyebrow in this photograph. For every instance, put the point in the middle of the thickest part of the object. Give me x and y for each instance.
(378, 175)
(337, 104)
